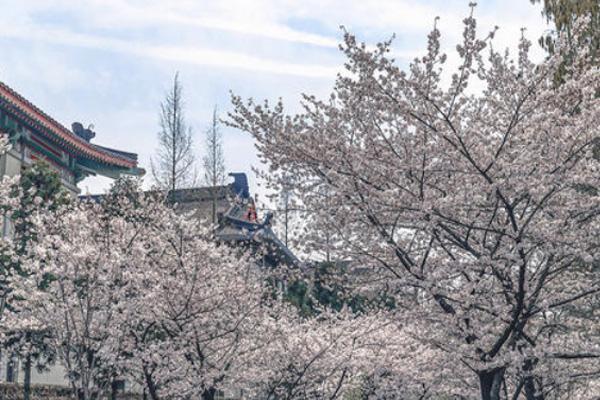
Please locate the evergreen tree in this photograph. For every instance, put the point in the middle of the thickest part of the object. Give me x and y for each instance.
(38, 188)
(564, 13)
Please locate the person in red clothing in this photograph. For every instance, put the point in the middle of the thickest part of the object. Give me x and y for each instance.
(251, 213)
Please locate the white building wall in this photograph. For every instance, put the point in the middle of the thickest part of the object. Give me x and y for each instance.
(54, 376)
(10, 163)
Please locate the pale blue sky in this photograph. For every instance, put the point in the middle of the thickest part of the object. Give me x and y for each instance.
(109, 62)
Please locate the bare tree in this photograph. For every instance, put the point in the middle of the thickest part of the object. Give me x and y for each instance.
(285, 198)
(214, 161)
(175, 164)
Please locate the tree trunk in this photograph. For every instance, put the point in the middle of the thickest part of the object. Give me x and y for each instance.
(286, 222)
(531, 393)
(530, 390)
(114, 388)
(150, 385)
(209, 394)
(214, 206)
(27, 378)
(490, 382)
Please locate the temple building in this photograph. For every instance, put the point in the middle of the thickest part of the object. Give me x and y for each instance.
(34, 135)
(237, 222)
(37, 136)
(232, 211)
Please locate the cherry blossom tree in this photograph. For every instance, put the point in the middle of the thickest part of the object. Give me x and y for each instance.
(37, 189)
(125, 288)
(4, 143)
(471, 191)
(196, 306)
(75, 284)
(336, 355)
(7, 251)
(201, 319)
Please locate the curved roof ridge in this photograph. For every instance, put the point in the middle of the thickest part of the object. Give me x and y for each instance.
(79, 144)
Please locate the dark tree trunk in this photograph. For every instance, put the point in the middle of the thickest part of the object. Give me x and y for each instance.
(150, 385)
(209, 394)
(490, 382)
(27, 379)
(531, 393)
(214, 208)
(114, 389)
(531, 381)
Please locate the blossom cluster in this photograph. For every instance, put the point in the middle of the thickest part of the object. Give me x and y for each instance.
(470, 193)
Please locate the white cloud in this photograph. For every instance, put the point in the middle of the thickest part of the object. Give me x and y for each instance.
(255, 19)
(188, 54)
(290, 42)
(243, 17)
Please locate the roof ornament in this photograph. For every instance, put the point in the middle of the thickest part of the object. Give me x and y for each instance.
(240, 184)
(86, 134)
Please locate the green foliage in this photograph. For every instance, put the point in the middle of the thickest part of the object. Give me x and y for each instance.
(563, 14)
(329, 288)
(39, 188)
(40, 180)
(124, 189)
